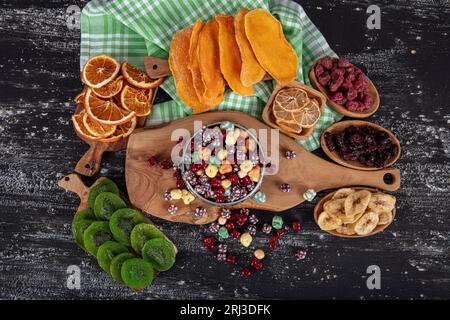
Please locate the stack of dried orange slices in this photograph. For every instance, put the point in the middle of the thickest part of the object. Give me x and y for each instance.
(294, 111)
(113, 97)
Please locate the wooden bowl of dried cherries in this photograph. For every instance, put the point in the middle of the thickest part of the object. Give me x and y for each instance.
(348, 90)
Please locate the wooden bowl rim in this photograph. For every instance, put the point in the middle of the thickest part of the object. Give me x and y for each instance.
(266, 114)
(342, 109)
(377, 229)
(354, 164)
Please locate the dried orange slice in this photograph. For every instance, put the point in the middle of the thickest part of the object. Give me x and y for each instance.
(308, 115)
(290, 126)
(138, 77)
(111, 89)
(79, 98)
(105, 111)
(137, 100)
(100, 70)
(96, 128)
(122, 131)
(77, 120)
(291, 99)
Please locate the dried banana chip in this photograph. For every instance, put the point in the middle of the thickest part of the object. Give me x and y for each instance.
(343, 193)
(334, 207)
(385, 217)
(344, 218)
(380, 202)
(347, 229)
(327, 222)
(367, 223)
(357, 202)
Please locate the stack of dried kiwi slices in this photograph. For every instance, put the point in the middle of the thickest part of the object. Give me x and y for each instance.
(126, 246)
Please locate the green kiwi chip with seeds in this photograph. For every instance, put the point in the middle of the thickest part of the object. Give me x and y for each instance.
(95, 235)
(106, 204)
(122, 223)
(104, 185)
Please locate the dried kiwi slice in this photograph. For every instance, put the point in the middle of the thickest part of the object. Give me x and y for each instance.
(106, 204)
(137, 273)
(107, 251)
(160, 253)
(116, 265)
(81, 222)
(104, 185)
(141, 233)
(95, 235)
(122, 222)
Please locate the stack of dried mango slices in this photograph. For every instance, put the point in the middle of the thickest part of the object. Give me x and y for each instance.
(234, 50)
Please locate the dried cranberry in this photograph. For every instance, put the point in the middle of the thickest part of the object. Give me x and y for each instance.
(352, 94)
(335, 84)
(235, 234)
(337, 73)
(209, 242)
(350, 70)
(180, 184)
(245, 181)
(256, 263)
(358, 85)
(352, 106)
(327, 62)
(177, 174)
(152, 161)
(231, 259)
(234, 179)
(344, 63)
(215, 182)
(273, 242)
(337, 96)
(166, 164)
(219, 192)
(229, 225)
(324, 78)
(296, 225)
(330, 141)
(319, 69)
(280, 232)
(347, 84)
(246, 272)
(367, 101)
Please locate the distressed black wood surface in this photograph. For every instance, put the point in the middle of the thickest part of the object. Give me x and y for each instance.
(408, 61)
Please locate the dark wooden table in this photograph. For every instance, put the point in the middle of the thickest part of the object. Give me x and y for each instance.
(408, 59)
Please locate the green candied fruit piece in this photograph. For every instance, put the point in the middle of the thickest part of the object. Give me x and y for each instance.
(104, 185)
(137, 273)
(106, 204)
(160, 253)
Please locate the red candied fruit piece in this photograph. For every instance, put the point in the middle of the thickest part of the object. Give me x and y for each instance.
(296, 225)
(152, 161)
(344, 63)
(166, 164)
(337, 73)
(347, 84)
(180, 184)
(245, 181)
(256, 263)
(231, 259)
(234, 179)
(215, 182)
(229, 225)
(337, 97)
(367, 101)
(208, 242)
(177, 174)
(319, 69)
(235, 234)
(273, 242)
(324, 78)
(352, 94)
(334, 85)
(327, 62)
(219, 199)
(246, 272)
(280, 232)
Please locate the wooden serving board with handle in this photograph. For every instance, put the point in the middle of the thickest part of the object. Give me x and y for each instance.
(146, 185)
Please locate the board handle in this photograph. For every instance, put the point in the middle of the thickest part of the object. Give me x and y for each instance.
(386, 179)
(156, 68)
(89, 163)
(72, 182)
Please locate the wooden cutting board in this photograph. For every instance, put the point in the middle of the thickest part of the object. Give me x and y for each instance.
(146, 185)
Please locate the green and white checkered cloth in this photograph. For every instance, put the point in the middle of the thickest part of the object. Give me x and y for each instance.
(132, 29)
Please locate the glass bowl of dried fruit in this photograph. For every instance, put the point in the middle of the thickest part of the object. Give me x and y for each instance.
(222, 164)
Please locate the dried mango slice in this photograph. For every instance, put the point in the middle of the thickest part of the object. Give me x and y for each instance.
(208, 60)
(193, 61)
(273, 51)
(230, 57)
(251, 70)
(178, 63)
